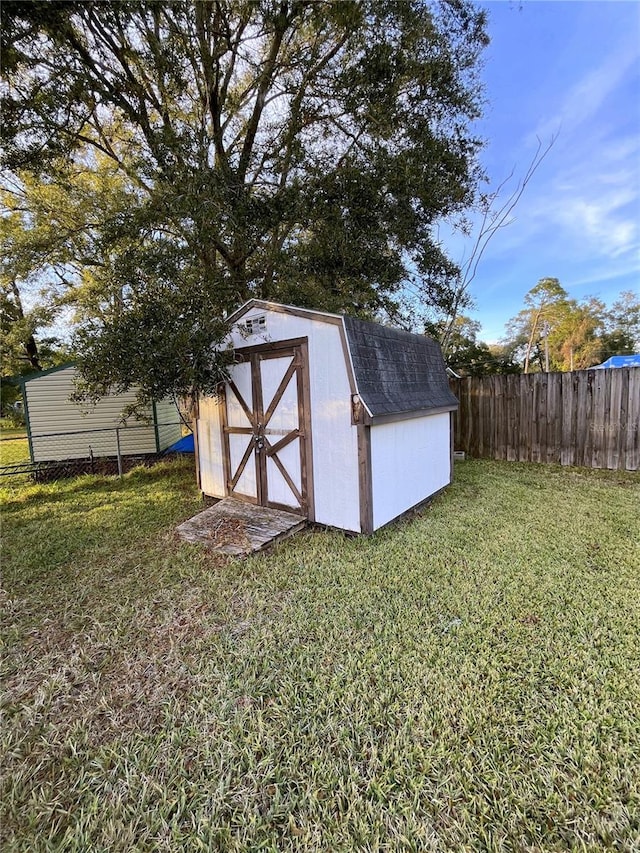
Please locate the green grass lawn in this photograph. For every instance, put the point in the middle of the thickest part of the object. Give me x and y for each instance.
(465, 680)
(14, 446)
(9, 429)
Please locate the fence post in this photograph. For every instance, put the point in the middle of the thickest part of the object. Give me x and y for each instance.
(118, 452)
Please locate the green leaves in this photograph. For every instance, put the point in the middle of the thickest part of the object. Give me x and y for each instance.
(164, 332)
(557, 333)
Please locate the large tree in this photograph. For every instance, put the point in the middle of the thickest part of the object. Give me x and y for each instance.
(299, 151)
(53, 239)
(573, 335)
(554, 332)
(529, 330)
(622, 326)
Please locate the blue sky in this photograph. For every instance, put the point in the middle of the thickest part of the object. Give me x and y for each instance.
(571, 68)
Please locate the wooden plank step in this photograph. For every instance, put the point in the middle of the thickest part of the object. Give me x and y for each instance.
(238, 528)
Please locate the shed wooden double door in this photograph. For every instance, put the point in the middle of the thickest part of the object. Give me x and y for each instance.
(266, 427)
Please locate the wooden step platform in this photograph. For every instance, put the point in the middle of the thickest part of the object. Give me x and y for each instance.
(238, 528)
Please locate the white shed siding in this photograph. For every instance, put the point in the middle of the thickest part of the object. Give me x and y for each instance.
(209, 426)
(399, 451)
(51, 411)
(334, 438)
(169, 425)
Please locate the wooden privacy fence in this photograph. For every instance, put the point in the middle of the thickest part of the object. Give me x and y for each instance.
(589, 418)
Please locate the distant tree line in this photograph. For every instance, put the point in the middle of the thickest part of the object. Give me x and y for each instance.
(551, 333)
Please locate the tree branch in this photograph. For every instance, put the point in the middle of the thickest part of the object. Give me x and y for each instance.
(498, 220)
(266, 79)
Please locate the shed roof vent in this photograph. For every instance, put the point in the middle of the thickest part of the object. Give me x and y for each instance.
(254, 325)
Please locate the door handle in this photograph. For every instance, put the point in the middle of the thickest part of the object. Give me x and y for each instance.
(258, 437)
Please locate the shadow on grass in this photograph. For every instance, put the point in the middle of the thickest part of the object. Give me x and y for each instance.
(86, 484)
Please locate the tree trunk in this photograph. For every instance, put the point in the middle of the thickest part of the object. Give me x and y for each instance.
(29, 345)
(534, 329)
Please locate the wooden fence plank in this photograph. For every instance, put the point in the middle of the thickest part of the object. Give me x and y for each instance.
(613, 422)
(509, 405)
(589, 436)
(554, 413)
(624, 419)
(472, 424)
(582, 424)
(576, 416)
(566, 405)
(479, 425)
(597, 418)
(492, 427)
(524, 437)
(535, 439)
(454, 385)
(501, 442)
(632, 455)
(468, 427)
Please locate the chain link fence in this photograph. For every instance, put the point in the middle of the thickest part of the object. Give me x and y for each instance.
(48, 457)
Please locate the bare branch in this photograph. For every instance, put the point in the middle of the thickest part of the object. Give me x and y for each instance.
(492, 222)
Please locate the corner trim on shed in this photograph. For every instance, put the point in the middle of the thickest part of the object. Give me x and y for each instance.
(27, 423)
(195, 420)
(451, 444)
(156, 432)
(365, 478)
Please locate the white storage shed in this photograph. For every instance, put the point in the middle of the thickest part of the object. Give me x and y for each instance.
(60, 429)
(345, 422)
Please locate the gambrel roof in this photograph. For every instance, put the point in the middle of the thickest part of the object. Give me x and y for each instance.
(396, 373)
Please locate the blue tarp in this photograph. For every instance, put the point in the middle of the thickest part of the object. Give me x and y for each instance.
(185, 445)
(621, 361)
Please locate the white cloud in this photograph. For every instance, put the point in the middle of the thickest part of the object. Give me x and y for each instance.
(595, 198)
(599, 224)
(602, 275)
(589, 95)
(592, 194)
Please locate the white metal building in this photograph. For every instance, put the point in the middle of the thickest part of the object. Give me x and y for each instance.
(59, 429)
(343, 421)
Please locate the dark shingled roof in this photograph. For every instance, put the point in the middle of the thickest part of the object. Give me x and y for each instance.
(397, 371)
